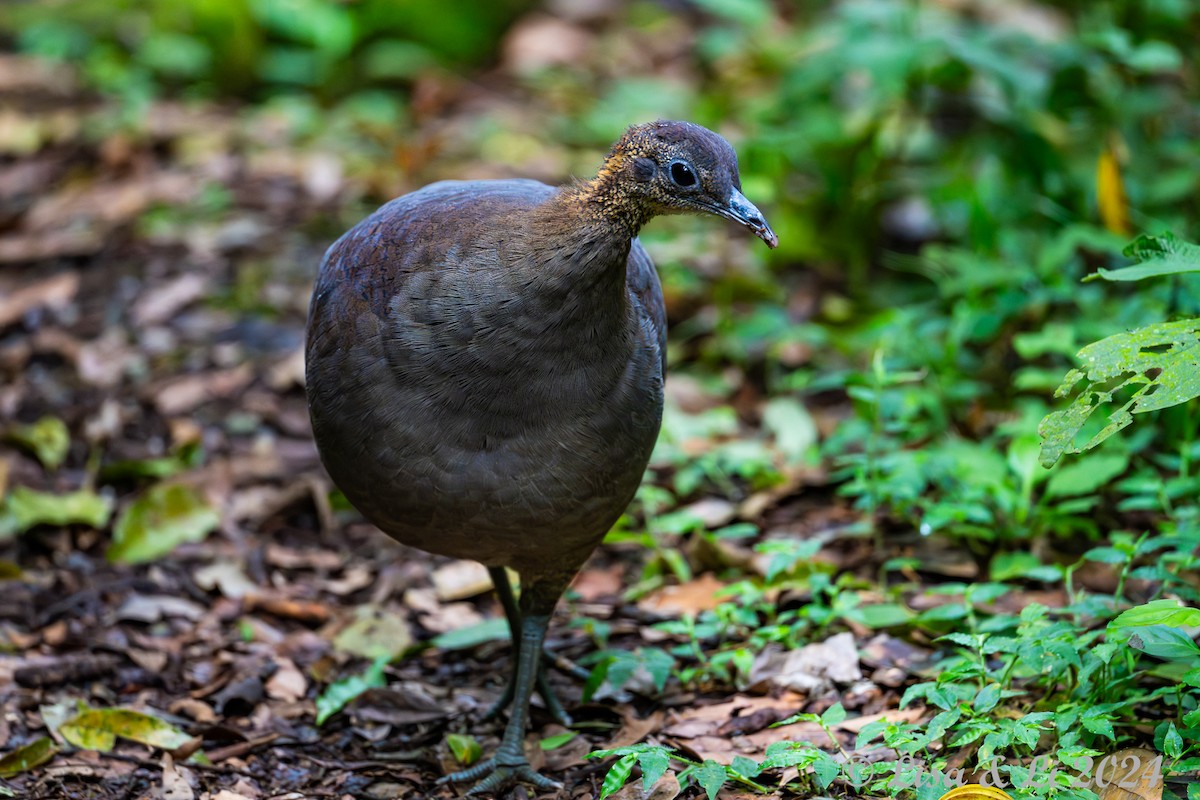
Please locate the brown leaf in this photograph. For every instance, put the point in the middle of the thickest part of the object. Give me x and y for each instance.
(633, 729)
(53, 292)
(813, 668)
(459, 580)
(159, 303)
(699, 594)
(287, 683)
(181, 395)
(175, 784)
(1134, 773)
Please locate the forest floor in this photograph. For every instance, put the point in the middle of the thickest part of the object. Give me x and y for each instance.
(153, 289)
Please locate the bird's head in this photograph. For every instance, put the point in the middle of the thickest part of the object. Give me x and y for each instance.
(682, 168)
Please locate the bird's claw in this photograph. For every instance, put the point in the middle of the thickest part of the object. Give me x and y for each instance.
(492, 777)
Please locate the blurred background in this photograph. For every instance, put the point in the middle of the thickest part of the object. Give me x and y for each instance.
(942, 175)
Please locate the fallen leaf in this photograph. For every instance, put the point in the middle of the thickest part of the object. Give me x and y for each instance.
(593, 584)
(163, 517)
(34, 754)
(813, 669)
(1134, 773)
(149, 608)
(175, 785)
(339, 693)
(287, 683)
(374, 633)
(159, 303)
(98, 729)
(699, 594)
(226, 576)
(459, 580)
(406, 703)
(84, 507)
(53, 292)
(47, 440)
(182, 395)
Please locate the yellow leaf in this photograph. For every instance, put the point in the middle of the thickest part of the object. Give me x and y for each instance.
(1110, 191)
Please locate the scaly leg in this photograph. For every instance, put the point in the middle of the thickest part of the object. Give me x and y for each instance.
(509, 601)
(510, 765)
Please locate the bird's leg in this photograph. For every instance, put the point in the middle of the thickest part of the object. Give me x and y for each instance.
(510, 765)
(509, 601)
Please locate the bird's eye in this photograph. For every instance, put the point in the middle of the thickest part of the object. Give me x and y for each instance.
(682, 174)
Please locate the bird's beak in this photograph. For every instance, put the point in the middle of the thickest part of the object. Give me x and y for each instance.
(739, 209)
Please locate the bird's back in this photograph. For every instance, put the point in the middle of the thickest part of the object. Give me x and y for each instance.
(477, 387)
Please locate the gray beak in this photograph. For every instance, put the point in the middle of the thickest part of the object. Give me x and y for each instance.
(739, 209)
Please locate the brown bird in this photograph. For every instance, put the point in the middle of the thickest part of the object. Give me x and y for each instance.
(485, 368)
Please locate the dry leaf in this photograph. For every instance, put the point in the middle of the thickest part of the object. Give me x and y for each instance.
(54, 292)
(175, 785)
(1134, 773)
(459, 580)
(699, 594)
(287, 683)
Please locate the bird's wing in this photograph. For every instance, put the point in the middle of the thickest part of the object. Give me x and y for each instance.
(643, 282)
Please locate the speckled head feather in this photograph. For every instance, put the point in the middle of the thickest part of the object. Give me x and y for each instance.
(672, 167)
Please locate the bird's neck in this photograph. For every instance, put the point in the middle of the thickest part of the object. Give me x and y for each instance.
(606, 202)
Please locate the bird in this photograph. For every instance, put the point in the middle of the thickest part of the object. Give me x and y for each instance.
(484, 371)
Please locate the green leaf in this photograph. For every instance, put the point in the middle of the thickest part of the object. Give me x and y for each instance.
(793, 428)
(465, 749)
(1086, 475)
(654, 765)
(1158, 612)
(1157, 256)
(492, 630)
(98, 729)
(162, 518)
(1172, 745)
(1163, 642)
(47, 440)
(1106, 555)
(84, 507)
(339, 693)
(557, 741)
(34, 754)
(617, 775)
(711, 776)
(374, 633)
(834, 715)
(746, 767)
(1157, 364)
(658, 664)
(884, 615)
(986, 698)
(825, 768)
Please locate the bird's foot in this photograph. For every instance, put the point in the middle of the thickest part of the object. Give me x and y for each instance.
(491, 776)
(543, 687)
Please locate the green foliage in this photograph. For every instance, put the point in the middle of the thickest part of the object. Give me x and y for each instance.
(257, 48)
(654, 761)
(1148, 369)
